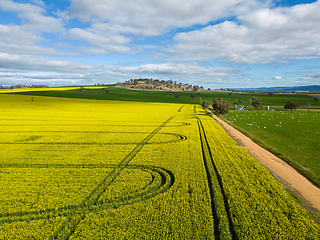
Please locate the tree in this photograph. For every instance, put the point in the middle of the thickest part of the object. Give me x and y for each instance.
(309, 105)
(205, 103)
(195, 88)
(220, 106)
(292, 105)
(256, 102)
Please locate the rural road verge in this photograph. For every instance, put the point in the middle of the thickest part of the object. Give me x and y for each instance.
(286, 174)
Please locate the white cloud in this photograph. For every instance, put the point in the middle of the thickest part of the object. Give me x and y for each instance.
(32, 69)
(193, 73)
(35, 63)
(152, 18)
(312, 76)
(39, 3)
(264, 36)
(15, 35)
(14, 40)
(106, 41)
(114, 23)
(26, 37)
(33, 17)
(254, 34)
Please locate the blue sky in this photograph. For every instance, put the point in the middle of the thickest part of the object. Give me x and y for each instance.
(216, 44)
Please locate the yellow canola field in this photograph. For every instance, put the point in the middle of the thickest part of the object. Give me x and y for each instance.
(55, 153)
(17, 90)
(88, 169)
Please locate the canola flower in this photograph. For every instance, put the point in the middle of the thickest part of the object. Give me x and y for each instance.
(57, 154)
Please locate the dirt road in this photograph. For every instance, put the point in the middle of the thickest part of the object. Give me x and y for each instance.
(287, 175)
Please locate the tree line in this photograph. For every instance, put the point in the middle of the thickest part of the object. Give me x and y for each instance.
(221, 106)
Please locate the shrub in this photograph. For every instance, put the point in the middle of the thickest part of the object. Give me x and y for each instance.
(256, 102)
(205, 103)
(220, 106)
(292, 105)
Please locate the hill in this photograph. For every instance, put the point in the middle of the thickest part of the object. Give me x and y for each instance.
(311, 88)
(158, 85)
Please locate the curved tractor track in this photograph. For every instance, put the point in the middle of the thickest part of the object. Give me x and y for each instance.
(68, 226)
(160, 181)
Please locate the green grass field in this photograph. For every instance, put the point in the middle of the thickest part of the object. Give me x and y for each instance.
(291, 135)
(120, 94)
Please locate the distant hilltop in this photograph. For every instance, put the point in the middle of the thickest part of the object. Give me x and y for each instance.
(158, 85)
(24, 86)
(311, 88)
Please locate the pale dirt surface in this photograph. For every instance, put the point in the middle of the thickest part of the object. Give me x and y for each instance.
(282, 171)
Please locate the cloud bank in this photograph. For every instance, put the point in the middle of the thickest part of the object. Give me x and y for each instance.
(216, 43)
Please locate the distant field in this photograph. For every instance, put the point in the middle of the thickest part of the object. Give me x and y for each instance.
(121, 94)
(88, 169)
(21, 90)
(276, 101)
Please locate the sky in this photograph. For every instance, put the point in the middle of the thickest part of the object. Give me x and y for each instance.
(214, 44)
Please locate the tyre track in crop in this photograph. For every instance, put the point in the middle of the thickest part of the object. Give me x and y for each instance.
(223, 226)
(95, 124)
(179, 110)
(67, 228)
(161, 180)
(178, 137)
